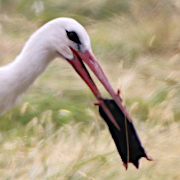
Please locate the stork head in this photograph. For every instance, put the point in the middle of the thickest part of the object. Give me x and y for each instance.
(69, 34)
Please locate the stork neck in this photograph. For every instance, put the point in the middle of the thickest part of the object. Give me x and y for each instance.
(30, 63)
(17, 77)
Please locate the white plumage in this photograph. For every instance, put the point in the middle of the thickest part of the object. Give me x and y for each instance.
(42, 47)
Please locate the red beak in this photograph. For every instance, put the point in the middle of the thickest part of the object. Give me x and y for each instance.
(93, 64)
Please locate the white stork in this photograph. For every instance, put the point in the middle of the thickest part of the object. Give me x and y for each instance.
(61, 37)
(66, 38)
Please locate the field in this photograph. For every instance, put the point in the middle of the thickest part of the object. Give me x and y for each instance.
(56, 132)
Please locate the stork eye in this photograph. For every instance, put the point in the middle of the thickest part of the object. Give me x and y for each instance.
(73, 36)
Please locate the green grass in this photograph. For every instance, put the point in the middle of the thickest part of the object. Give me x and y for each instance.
(56, 132)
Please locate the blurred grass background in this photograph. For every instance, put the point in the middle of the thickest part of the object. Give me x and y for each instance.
(56, 132)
